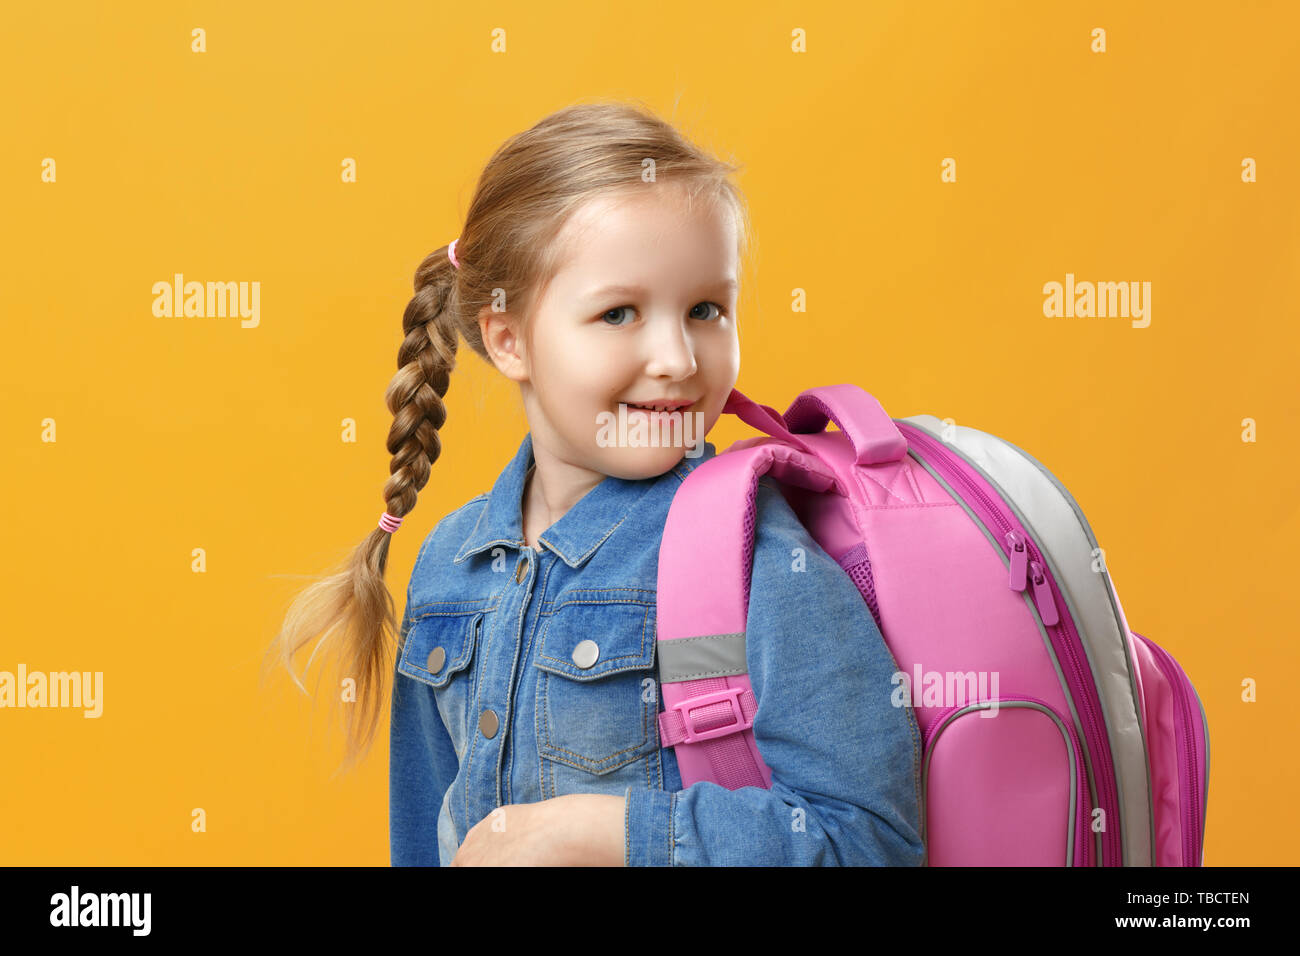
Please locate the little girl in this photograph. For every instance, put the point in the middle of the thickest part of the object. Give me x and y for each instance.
(597, 269)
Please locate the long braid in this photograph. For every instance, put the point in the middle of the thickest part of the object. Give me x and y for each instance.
(352, 604)
(425, 360)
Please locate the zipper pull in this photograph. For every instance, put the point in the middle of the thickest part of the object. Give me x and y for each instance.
(1043, 595)
(1019, 559)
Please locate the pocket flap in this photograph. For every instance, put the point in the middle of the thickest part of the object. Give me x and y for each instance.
(439, 645)
(589, 634)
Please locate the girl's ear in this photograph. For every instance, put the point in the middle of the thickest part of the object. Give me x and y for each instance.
(504, 345)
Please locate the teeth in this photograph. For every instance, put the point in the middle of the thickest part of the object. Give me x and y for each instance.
(653, 408)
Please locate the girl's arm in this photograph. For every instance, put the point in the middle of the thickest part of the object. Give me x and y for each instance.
(422, 765)
(845, 761)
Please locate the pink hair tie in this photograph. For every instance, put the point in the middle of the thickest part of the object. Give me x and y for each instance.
(389, 523)
(451, 252)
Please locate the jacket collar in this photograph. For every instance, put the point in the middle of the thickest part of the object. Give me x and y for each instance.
(577, 535)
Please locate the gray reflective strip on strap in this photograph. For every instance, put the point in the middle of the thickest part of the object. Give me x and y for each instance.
(694, 658)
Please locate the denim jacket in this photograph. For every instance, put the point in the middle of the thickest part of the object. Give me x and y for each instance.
(489, 708)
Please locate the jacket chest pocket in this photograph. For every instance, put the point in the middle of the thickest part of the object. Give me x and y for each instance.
(439, 650)
(597, 696)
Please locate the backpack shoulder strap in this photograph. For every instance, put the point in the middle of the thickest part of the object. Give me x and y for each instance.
(705, 562)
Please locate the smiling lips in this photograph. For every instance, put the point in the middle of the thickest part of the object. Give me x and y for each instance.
(660, 406)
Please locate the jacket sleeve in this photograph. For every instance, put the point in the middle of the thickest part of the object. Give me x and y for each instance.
(422, 764)
(845, 761)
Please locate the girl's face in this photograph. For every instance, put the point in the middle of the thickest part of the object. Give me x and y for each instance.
(642, 311)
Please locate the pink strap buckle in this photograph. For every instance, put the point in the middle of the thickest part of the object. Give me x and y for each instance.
(732, 694)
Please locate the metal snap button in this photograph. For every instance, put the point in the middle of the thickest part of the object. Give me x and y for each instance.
(519, 574)
(586, 653)
(437, 657)
(488, 723)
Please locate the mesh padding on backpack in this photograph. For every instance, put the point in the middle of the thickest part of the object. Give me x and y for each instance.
(747, 536)
(858, 565)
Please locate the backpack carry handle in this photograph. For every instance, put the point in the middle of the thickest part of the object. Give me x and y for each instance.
(875, 437)
(763, 417)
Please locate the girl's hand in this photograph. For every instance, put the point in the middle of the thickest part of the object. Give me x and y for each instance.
(579, 829)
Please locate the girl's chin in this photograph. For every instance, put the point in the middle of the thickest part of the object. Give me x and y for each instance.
(635, 464)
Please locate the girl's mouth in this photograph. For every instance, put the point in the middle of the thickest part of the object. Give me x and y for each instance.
(661, 407)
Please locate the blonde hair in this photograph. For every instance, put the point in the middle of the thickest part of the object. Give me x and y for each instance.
(528, 190)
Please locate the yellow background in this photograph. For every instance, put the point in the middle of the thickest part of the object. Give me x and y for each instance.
(225, 166)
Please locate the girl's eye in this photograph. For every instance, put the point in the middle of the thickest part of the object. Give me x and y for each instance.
(714, 304)
(615, 312)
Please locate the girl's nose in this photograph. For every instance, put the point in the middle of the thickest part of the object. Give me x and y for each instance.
(672, 353)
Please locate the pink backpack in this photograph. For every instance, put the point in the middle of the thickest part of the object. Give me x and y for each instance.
(1098, 755)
